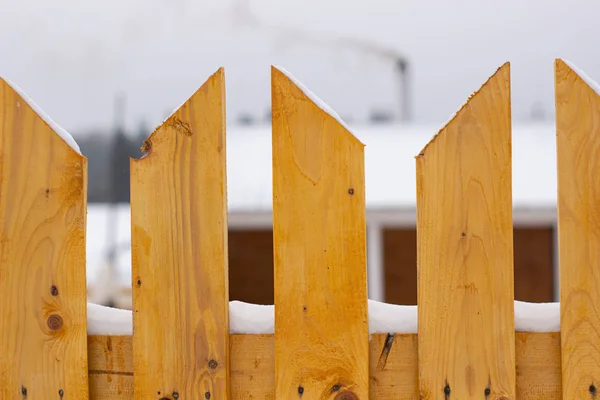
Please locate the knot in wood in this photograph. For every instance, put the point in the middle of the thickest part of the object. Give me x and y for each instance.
(346, 396)
(55, 322)
(54, 290)
(212, 364)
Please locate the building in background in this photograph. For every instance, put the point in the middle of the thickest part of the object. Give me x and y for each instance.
(391, 213)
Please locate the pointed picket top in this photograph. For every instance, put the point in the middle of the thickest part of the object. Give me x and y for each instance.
(18, 97)
(501, 73)
(319, 240)
(300, 91)
(179, 253)
(43, 207)
(179, 121)
(564, 67)
(466, 320)
(577, 99)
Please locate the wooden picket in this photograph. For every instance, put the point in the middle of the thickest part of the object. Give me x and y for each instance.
(578, 156)
(465, 251)
(179, 252)
(181, 346)
(43, 205)
(319, 237)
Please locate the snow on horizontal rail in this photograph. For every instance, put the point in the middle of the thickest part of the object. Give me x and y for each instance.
(246, 318)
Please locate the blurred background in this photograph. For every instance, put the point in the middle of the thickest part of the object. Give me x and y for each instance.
(109, 72)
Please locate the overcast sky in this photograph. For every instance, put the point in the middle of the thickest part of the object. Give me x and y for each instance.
(73, 56)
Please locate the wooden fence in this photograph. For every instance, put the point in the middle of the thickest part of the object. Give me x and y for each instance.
(466, 348)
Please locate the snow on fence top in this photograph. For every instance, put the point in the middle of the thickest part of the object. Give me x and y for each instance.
(59, 130)
(587, 79)
(314, 98)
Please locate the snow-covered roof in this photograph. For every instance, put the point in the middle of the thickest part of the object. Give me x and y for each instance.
(390, 168)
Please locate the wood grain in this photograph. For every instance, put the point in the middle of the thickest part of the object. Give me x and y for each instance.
(110, 367)
(578, 157)
(43, 194)
(538, 366)
(393, 367)
(321, 326)
(465, 252)
(179, 251)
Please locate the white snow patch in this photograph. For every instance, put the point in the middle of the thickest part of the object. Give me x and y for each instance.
(391, 318)
(590, 82)
(60, 131)
(537, 317)
(103, 320)
(246, 318)
(313, 97)
(251, 318)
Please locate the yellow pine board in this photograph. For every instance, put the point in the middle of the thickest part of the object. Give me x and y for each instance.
(43, 194)
(179, 252)
(321, 327)
(110, 367)
(465, 251)
(578, 157)
(393, 367)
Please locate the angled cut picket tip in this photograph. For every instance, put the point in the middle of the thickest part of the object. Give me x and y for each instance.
(279, 72)
(179, 120)
(500, 72)
(21, 97)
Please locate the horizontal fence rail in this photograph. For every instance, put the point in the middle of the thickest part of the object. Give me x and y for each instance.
(179, 342)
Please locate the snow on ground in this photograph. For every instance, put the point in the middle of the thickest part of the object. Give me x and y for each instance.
(66, 136)
(246, 318)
